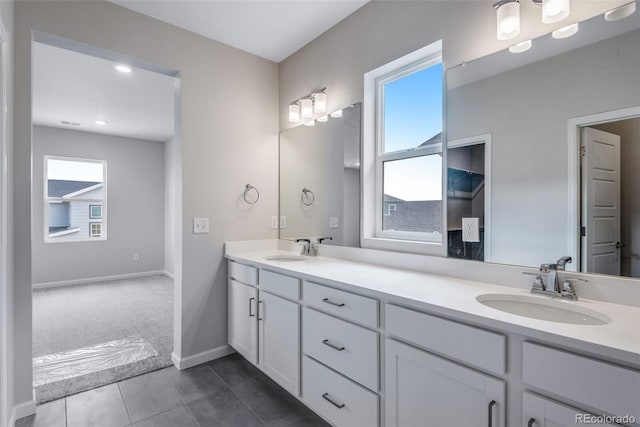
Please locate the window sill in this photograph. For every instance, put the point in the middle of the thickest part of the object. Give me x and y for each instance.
(408, 246)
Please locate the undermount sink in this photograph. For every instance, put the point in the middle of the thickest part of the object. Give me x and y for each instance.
(543, 309)
(285, 258)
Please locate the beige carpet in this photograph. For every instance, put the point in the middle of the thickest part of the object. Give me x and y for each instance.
(73, 317)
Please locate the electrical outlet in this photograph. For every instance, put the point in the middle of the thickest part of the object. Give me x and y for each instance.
(283, 221)
(200, 225)
(274, 222)
(334, 222)
(136, 257)
(470, 230)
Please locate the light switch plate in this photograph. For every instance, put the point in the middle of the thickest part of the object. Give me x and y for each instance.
(334, 222)
(283, 221)
(470, 230)
(274, 222)
(200, 225)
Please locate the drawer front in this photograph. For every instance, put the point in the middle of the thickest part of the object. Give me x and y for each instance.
(344, 304)
(594, 383)
(467, 344)
(337, 399)
(347, 348)
(243, 273)
(279, 284)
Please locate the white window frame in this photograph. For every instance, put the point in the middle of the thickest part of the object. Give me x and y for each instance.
(91, 234)
(47, 200)
(373, 236)
(91, 216)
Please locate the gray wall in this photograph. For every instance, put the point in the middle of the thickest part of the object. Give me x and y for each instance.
(135, 207)
(7, 395)
(170, 174)
(222, 90)
(629, 132)
(526, 110)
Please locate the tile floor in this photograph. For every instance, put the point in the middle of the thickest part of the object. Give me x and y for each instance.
(225, 392)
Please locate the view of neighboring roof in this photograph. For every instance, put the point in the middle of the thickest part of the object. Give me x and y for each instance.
(435, 139)
(61, 188)
(391, 199)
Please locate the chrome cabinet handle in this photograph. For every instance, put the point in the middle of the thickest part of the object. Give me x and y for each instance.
(250, 314)
(330, 400)
(333, 346)
(260, 318)
(328, 301)
(490, 410)
(531, 421)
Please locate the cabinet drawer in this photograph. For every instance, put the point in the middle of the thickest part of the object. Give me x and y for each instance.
(347, 348)
(601, 385)
(345, 304)
(243, 273)
(467, 344)
(279, 284)
(337, 399)
(547, 412)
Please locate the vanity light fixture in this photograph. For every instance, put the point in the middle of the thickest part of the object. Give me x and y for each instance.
(101, 122)
(336, 114)
(310, 123)
(123, 68)
(520, 47)
(554, 10)
(323, 118)
(620, 12)
(508, 19)
(305, 106)
(564, 32)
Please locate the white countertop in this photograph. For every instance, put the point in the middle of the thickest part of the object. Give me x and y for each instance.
(456, 298)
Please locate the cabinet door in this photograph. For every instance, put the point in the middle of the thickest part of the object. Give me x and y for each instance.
(242, 318)
(423, 390)
(538, 411)
(279, 325)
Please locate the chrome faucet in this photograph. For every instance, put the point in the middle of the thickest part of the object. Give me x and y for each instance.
(322, 239)
(564, 290)
(308, 248)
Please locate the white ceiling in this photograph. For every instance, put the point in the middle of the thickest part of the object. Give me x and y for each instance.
(267, 28)
(74, 87)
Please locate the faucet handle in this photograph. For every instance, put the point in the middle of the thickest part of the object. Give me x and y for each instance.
(568, 291)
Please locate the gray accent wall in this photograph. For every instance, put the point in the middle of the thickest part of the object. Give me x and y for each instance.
(135, 207)
(229, 137)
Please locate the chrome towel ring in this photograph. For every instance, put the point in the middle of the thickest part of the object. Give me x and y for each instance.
(307, 197)
(247, 190)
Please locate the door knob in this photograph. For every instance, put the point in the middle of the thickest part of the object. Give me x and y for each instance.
(620, 245)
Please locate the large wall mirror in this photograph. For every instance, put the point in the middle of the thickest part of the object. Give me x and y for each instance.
(561, 122)
(320, 179)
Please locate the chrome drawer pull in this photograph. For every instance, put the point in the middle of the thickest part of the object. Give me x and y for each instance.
(490, 420)
(335, 347)
(337, 304)
(330, 400)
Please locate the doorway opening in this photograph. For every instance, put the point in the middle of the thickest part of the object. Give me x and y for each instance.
(105, 195)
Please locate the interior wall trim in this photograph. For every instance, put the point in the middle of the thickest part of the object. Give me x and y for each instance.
(22, 410)
(101, 279)
(199, 358)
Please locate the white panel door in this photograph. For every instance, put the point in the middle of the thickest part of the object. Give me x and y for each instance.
(601, 246)
(243, 320)
(542, 412)
(279, 325)
(423, 390)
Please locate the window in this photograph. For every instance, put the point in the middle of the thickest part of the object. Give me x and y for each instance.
(403, 155)
(75, 199)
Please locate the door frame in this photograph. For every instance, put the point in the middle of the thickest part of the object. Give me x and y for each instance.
(573, 171)
(477, 140)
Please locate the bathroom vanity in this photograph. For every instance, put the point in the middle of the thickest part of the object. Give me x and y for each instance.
(367, 345)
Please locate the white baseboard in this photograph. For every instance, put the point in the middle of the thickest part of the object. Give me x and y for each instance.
(199, 358)
(22, 410)
(169, 275)
(98, 279)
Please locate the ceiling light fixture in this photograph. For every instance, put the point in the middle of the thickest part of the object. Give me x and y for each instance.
(323, 118)
(554, 10)
(508, 19)
(305, 106)
(310, 123)
(123, 68)
(520, 47)
(620, 12)
(336, 114)
(101, 122)
(564, 32)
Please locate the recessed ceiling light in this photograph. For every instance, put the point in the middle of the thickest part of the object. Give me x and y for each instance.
(564, 32)
(620, 12)
(123, 68)
(520, 47)
(101, 122)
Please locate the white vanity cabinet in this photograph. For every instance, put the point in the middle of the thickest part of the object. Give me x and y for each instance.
(538, 411)
(264, 327)
(426, 390)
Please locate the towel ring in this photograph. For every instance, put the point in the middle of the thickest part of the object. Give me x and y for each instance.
(247, 189)
(307, 197)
